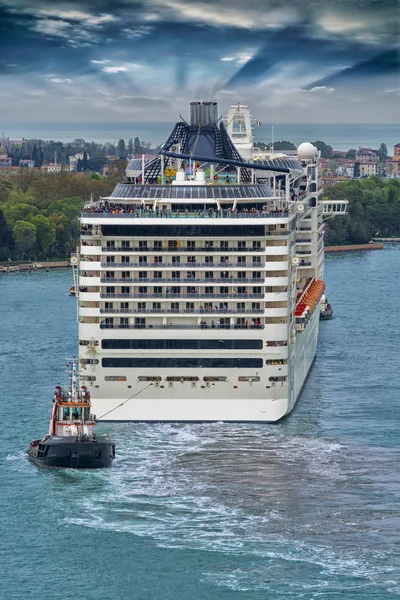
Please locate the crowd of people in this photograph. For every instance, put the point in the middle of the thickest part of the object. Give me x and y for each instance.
(139, 211)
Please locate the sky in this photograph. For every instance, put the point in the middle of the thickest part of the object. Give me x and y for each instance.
(311, 61)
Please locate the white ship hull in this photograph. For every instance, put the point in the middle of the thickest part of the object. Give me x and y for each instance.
(231, 401)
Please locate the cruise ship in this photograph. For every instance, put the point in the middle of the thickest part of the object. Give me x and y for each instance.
(200, 278)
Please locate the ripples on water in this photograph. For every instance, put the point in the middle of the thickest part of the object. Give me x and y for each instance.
(308, 508)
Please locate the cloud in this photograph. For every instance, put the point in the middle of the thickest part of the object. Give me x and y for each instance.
(121, 68)
(137, 32)
(60, 80)
(114, 69)
(52, 27)
(261, 52)
(225, 14)
(88, 19)
(319, 89)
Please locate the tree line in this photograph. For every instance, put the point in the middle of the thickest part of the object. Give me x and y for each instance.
(39, 212)
(373, 211)
(94, 154)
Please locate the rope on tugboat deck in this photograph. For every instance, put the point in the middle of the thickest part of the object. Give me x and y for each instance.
(125, 401)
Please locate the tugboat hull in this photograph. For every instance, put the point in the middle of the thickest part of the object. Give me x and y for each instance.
(326, 315)
(70, 453)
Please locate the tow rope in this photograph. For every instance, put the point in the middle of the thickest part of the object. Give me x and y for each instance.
(125, 401)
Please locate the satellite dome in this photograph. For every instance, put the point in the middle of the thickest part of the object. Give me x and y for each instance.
(306, 151)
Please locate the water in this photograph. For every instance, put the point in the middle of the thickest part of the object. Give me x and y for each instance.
(340, 136)
(305, 509)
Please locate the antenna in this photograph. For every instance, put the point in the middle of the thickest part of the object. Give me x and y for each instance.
(272, 130)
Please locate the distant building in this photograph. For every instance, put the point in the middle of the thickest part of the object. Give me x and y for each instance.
(364, 155)
(392, 168)
(396, 154)
(26, 163)
(53, 167)
(5, 162)
(73, 161)
(368, 169)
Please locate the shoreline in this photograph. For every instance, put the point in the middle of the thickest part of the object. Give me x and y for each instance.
(354, 248)
(28, 267)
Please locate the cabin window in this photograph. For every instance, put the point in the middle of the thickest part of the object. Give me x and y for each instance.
(65, 416)
(86, 413)
(181, 378)
(43, 450)
(189, 362)
(181, 344)
(77, 413)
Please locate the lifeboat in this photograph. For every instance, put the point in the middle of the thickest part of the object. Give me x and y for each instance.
(309, 302)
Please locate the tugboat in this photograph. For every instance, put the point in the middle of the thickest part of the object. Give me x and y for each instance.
(326, 310)
(71, 442)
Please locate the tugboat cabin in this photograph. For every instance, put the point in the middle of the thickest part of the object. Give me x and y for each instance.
(71, 416)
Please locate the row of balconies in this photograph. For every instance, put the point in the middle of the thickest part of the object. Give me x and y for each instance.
(227, 295)
(98, 250)
(93, 279)
(196, 310)
(179, 280)
(89, 296)
(277, 331)
(202, 325)
(95, 265)
(94, 290)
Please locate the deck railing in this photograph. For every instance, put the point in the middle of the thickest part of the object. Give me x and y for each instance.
(169, 311)
(170, 214)
(183, 280)
(183, 249)
(168, 295)
(210, 266)
(172, 326)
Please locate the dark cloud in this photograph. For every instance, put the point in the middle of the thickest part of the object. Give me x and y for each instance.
(152, 49)
(387, 63)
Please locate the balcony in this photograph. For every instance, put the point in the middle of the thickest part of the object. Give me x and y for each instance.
(169, 295)
(87, 249)
(172, 326)
(176, 214)
(191, 311)
(177, 266)
(182, 281)
(195, 250)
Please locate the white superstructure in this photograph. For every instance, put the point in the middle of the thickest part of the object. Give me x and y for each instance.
(197, 282)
